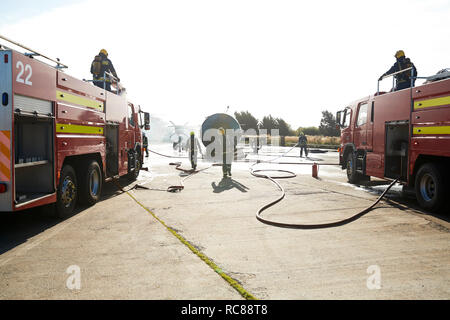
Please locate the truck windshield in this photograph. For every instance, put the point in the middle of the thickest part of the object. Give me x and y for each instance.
(346, 118)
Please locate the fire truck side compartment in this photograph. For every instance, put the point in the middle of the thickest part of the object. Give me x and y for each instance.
(396, 144)
(112, 150)
(33, 138)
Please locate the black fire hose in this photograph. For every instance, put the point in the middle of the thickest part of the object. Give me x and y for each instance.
(166, 156)
(291, 174)
(288, 174)
(189, 172)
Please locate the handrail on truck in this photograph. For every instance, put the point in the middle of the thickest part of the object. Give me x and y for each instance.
(119, 88)
(33, 53)
(393, 79)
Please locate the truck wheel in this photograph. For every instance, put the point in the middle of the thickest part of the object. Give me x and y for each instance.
(91, 184)
(430, 187)
(352, 175)
(137, 167)
(67, 192)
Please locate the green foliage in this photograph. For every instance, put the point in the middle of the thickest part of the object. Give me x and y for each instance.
(284, 127)
(246, 120)
(328, 125)
(309, 131)
(269, 123)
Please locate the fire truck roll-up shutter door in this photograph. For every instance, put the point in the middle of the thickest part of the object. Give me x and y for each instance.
(6, 174)
(32, 105)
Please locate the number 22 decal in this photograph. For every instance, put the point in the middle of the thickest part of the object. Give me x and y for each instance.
(24, 69)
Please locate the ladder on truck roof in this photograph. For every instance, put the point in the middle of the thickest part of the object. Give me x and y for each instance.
(33, 53)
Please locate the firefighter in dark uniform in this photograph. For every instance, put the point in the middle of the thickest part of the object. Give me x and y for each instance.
(403, 80)
(302, 143)
(192, 146)
(99, 66)
(229, 148)
(145, 144)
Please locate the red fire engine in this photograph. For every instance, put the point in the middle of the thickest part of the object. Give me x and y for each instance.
(60, 137)
(401, 134)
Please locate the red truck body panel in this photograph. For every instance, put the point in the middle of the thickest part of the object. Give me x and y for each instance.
(50, 117)
(33, 78)
(417, 120)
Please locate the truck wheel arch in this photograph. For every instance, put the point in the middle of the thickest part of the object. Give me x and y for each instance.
(423, 159)
(78, 162)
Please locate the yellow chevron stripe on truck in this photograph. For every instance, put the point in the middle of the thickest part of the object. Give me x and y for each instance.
(435, 102)
(71, 98)
(74, 128)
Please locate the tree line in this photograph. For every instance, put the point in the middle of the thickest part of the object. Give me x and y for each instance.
(327, 126)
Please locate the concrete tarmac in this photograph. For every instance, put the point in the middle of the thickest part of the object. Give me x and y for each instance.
(396, 251)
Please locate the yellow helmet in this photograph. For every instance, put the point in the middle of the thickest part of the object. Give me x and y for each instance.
(104, 52)
(399, 54)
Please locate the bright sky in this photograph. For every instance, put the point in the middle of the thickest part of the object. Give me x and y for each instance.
(184, 60)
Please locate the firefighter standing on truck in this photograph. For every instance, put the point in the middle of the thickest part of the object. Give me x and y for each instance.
(403, 80)
(99, 66)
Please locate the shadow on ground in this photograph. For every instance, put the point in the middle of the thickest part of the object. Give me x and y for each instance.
(17, 227)
(403, 200)
(228, 184)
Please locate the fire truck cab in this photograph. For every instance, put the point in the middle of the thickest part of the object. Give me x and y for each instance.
(401, 135)
(61, 137)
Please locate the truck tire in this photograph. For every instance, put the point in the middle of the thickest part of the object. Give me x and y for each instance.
(91, 183)
(430, 187)
(67, 192)
(352, 175)
(133, 175)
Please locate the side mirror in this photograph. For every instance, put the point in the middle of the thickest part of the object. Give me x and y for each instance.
(147, 121)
